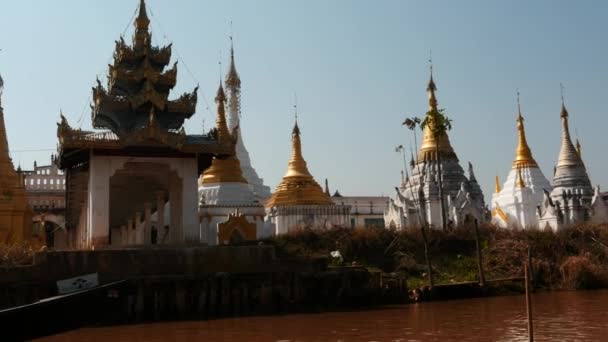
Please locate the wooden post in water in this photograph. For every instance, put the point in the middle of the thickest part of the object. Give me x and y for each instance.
(528, 303)
(531, 274)
(428, 259)
(482, 278)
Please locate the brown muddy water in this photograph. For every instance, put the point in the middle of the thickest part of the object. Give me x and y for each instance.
(558, 316)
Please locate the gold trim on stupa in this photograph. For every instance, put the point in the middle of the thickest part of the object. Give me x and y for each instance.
(224, 169)
(429, 143)
(523, 154)
(298, 187)
(519, 182)
(497, 188)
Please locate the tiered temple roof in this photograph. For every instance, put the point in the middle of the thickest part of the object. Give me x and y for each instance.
(139, 83)
(135, 109)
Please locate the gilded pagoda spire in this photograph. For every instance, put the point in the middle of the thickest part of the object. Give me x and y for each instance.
(6, 165)
(232, 77)
(298, 187)
(223, 135)
(233, 87)
(523, 154)
(429, 141)
(225, 169)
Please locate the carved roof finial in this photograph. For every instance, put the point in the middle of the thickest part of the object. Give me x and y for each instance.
(564, 113)
(142, 22)
(431, 88)
(232, 78)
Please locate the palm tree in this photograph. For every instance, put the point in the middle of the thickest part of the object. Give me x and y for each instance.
(438, 123)
(411, 124)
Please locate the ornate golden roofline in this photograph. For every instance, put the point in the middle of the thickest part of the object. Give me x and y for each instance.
(148, 136)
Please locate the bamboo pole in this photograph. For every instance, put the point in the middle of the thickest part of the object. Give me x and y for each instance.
(482, 278)
(528, 303)
(426, 256)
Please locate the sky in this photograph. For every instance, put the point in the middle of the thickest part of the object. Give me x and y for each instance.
(358, 69)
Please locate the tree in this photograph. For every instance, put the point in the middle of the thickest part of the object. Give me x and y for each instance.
(438, 124)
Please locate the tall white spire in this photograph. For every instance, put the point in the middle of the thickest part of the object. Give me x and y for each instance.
(233, 88)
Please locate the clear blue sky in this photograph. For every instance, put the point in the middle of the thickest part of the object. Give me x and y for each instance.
(358, 67)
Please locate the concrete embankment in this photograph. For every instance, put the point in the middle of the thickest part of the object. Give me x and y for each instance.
(197, 282)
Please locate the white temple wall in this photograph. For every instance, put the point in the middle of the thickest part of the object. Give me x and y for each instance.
(226, 194)
(315, 217)
(521, 204)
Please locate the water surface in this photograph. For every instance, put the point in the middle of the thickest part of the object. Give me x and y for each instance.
(558, 316)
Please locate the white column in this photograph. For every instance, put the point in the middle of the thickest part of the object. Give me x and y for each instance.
(139, 237)
(130, 233)
(160, 216)
(147, 223)
(99, 202)
(189, 203)
(175, 229)
(123, 235)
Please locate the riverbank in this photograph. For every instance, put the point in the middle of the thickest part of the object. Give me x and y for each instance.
(167, 283)
(573, 258)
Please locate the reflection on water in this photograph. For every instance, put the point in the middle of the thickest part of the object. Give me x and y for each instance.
(558, 316)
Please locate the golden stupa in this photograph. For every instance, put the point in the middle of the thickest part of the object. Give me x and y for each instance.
(523, 155)
(298, 187)
(430, 144)
(15, 213)
(223, 169)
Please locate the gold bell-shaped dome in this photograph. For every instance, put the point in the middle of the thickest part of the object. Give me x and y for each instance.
(298, 187)
(223, 169)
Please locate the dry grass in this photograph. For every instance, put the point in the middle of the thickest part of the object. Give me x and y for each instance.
(575, 257)
(16, 254)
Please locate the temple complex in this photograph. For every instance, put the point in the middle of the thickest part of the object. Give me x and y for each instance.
(229, 211)
(139, 159)
(299, 201)
(233, 88)
(15, 213)
(515, 204)
(570, 200)
(418, 199)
